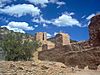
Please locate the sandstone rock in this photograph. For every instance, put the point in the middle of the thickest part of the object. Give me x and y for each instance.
(86, 68)
(98, 68)
(12, 65)
(20, 68)
(43, 67)
(33, 64)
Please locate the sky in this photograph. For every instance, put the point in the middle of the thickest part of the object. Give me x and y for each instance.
(52, 16)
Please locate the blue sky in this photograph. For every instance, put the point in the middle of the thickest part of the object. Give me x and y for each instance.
(51, 16)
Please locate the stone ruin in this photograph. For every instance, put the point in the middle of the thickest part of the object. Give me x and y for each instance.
(41, 36)
(82, 54)
(60, 40)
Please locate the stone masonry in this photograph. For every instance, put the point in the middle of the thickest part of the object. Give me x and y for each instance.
(60, 40)
(41, 36)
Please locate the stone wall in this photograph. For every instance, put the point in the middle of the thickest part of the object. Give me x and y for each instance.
(73, 55)
(41, 36)
(62, 39)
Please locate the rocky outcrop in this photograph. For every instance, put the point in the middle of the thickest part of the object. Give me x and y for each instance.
(3, 32)
(89, 57)
(94, 31)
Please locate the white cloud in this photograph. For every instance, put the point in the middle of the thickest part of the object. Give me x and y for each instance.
(55, 33)
(15, 29)
(89, 22)
(72, 13)
(88, 19)
(49, 35)
(18, 26)
(66, 20)
(36, 26)
(90, 16)
(45, 25)
(83, 16)
(60, 3)
(37, 2)
(41, 20)
(44, 3)
(20, 10)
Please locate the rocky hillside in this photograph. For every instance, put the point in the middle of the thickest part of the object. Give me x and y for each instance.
(4, 32)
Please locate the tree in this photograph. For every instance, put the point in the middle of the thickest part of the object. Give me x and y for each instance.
(16, 48)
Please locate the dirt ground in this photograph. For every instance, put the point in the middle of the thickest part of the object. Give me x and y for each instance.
(41, 68)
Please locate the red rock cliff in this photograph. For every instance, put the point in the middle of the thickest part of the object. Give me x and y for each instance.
(94, 31)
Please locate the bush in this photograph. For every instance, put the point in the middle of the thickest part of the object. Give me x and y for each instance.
(16, 48)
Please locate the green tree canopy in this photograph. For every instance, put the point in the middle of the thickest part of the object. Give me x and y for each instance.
(18, 48)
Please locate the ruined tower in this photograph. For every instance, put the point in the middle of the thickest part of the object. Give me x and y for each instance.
(62, 39)
(41, 36)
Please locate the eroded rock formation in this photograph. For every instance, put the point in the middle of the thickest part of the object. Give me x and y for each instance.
(94, 31)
